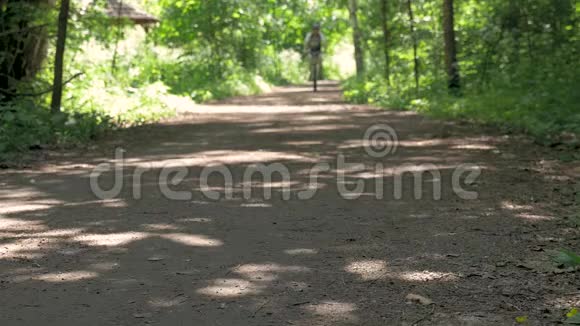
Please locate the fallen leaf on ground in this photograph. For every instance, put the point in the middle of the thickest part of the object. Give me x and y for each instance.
(521, 319)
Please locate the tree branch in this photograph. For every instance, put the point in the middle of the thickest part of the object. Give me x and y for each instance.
(75, 76)
(22, 30)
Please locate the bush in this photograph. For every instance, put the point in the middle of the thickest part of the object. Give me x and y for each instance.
(542, 103)
(26, 126)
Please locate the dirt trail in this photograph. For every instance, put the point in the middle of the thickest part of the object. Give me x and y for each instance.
(69, 258)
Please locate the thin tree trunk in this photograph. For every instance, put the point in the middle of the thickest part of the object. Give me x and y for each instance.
(59, 58)
(117, 38)
(450, 46)
(415, 46)
(357, 38)
(386, 39)
(491, 50)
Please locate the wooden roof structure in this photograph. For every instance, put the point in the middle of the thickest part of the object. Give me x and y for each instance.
(119, 9)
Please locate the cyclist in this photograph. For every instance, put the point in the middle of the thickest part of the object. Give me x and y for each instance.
(313, 46)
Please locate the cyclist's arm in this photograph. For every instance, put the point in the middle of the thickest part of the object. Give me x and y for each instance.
(307, 42)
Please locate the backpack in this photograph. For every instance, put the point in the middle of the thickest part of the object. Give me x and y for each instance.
(315, 42)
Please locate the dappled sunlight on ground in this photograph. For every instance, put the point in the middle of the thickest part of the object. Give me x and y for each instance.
(231, 288)
(110, 239)
(425, 276)
(160, 227)
(214, 157)
(257, 278)
(482, 147)
(21, 207)
(14, 225)
(516, 207)
(373, 270)
(301, 251)
(335, 311)
(526, 212)
(267, 272)
(192, 240)
(65, 277)
(369, 269)
(324, 260)
(167, 303)
(27, 248)
(304, 129)
(535, 217)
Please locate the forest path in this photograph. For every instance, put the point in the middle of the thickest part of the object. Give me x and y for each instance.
(69, 258)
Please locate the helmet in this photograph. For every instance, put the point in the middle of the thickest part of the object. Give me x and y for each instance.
(316, 26)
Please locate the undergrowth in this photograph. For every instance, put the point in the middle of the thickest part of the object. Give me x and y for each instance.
(147, 83)
(541, 102)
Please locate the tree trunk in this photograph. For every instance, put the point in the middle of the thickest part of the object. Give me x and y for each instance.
(22, 45)
(415, 46)
(386, 39)
(59, 57)
(450, 46)
(357, 38)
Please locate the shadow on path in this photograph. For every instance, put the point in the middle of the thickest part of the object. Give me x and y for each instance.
(70, 258)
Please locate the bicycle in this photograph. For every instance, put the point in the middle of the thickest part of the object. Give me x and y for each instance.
(315, 68)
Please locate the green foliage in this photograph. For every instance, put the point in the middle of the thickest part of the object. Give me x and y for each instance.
(535, 104)
(238, 47)
(202, 83)
(131, 78)
(25, 125)
(567, 258)
(374, 91)
(573, 317)
(518, 64)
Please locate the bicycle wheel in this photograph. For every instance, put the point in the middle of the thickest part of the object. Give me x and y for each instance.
(315, 77)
